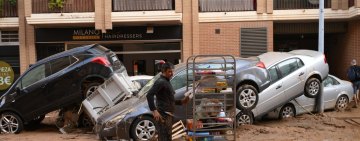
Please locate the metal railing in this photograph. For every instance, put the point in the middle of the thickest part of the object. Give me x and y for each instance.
(8, 9)
(70, 6)
(298, 4)
(226, 5)
(143, 5)
(351, 3)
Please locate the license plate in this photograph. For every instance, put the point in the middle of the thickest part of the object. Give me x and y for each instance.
(114, 58)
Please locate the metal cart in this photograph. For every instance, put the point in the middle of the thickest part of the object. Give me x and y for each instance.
(196, 70)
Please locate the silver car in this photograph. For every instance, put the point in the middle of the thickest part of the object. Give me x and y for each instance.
(337, 94)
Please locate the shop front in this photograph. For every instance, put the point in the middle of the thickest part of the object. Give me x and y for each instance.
(139, 48)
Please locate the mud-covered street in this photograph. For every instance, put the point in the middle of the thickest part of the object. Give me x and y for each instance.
(332, 126)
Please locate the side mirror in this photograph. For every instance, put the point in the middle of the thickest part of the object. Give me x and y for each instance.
(17, 89)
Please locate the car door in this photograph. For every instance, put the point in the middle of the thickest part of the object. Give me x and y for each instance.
(293, 77)
(65, 87)
(31, 101)
(331, 91)
(178, 83)
(273, 95)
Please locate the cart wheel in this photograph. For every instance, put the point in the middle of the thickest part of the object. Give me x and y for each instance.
(246, 98)
(244, 117)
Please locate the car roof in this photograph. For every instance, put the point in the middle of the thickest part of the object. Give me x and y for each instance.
(270, 58)
(137, 77)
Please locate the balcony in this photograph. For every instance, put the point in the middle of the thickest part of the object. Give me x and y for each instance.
(226, 5)
(8, 9)
(143, 5)
(298, 4)
(70, 6)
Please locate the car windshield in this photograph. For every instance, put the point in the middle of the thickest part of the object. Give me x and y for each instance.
(147, 87)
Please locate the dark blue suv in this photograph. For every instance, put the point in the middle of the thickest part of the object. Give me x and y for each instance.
(56, 82)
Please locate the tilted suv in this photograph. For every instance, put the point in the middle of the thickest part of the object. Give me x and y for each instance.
(56, 82)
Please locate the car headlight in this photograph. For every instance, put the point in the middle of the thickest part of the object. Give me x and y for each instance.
(112, 122)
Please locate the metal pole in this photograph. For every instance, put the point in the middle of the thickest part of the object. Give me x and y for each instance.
(321, 48)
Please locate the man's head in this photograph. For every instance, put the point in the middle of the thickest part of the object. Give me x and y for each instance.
(167, 70)
(353, 62)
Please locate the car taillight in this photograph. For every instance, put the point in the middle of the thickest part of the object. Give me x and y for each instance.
(101, 60)
(261, 65)
(325, 59)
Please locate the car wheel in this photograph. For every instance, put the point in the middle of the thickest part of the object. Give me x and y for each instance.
(342, 103)
(90, 89)
(143, 128)
(247, 97)
(287, 111)
(37, 120)
(85, 121)
(244, 117)
(11, 123)
(312, 88)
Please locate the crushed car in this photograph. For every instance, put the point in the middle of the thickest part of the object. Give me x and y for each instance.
(56, 82)
(337, 95)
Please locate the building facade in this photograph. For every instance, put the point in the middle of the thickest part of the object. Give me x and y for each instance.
(144, 32)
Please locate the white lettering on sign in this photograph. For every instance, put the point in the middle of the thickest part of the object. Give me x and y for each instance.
(5, 80)
(86, 32)
(5, 69)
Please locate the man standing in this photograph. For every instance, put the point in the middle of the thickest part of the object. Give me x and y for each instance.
(353, 74)
(165, 102)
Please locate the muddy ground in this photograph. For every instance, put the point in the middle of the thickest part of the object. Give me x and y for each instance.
(332, 126)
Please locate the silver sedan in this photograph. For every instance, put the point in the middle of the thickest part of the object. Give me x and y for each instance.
(337, 94)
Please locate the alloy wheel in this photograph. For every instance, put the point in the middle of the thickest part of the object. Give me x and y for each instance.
(247, 98)
(342, 103)
(91, 90)
(145, 130)
(314, 88)
(287, 112)
(244, 119)
(9, 124)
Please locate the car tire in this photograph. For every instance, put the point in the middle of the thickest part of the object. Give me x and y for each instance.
(14, 120)
(247, 98)
(85, 121)
(342, 103)
(244, 117)
(37, 120)
(90, 88)
(312, 87)
(143, 123)
(287, 111)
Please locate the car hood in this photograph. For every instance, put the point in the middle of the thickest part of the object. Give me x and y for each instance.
(125, 107)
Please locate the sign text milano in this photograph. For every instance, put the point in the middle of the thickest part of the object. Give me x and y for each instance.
(115, 34)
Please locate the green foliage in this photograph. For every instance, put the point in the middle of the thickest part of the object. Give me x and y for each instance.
(13, 2)
(56, 4)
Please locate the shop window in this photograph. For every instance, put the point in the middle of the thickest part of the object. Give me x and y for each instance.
(139, 67)
(9, 36)
(158, 64)
(46, 50)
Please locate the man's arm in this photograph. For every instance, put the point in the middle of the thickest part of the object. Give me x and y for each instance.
(150, 96)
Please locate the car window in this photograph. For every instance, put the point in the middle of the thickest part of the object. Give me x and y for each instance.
(300, 63)
(328, 82)
(147, 87)
(335, 82)
(145, 81)
(179, 81)
(288, 67)
(273, 74)
(36, 74)
(59, 64)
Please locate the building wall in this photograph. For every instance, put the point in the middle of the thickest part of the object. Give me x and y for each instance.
(345, 47)
(228, 41)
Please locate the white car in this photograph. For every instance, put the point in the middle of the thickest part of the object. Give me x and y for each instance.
(337, 94)
(142, 80)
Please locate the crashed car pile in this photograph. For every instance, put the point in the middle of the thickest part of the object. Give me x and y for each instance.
(93, 80)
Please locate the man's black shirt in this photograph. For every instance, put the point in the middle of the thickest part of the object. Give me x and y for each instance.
(164, 92)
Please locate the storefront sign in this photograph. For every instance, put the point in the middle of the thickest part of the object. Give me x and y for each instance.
(6, 75)
(118, 33)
